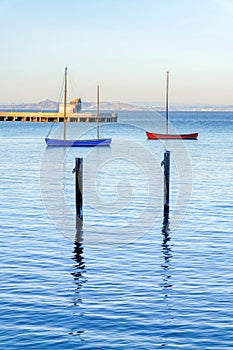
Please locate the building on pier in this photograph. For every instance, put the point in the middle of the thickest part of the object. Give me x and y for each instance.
(73, 107)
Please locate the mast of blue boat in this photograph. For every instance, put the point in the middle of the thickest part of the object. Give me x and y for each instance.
(167, 88)
(65, 101)
(98, 112)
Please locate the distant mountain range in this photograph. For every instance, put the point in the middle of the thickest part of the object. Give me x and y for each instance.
(35, 106)
(48, 105)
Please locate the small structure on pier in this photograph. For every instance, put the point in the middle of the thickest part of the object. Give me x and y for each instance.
(73, 107)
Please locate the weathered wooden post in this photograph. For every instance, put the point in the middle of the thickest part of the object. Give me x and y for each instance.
(78, 170)
(166, 164)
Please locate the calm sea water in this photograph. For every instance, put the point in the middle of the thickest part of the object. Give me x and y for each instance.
(123, 284)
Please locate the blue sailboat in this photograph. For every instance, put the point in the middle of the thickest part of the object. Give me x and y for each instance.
(80, 142)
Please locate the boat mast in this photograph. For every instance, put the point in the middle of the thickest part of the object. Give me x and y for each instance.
(65, 98)
(167, 88)
(98, 112)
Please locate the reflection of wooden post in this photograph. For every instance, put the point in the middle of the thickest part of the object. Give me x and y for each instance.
(79, 187)
(166, 164)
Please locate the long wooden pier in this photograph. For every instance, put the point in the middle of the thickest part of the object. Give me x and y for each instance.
(53, 117)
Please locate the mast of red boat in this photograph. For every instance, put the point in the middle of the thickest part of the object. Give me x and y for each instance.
(167, 88)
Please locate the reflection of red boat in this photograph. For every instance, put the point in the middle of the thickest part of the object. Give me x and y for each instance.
(153, 136)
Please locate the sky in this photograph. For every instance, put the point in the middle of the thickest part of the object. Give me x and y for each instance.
(125, 46)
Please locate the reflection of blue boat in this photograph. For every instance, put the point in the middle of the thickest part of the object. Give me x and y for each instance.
(78, 143)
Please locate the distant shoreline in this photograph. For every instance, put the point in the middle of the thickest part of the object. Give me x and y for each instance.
(53, 106)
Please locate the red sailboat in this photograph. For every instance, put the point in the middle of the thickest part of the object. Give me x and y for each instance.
(155, 136)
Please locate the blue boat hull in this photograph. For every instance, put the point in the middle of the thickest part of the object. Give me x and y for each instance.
(78, 143)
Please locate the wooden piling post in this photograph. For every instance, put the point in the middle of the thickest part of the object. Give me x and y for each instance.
(79, 187)
(166, 164)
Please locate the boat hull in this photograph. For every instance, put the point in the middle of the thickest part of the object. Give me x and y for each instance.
(78, 143)
(155, 136)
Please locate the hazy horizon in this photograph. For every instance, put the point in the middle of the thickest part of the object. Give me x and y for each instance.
(142, 104)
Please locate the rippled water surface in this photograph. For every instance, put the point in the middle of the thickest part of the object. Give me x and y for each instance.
(121, 281)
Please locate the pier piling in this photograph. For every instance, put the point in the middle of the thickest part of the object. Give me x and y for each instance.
(166, 164)
(78, 170)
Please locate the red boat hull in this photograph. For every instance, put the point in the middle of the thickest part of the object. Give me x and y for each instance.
(154, 136)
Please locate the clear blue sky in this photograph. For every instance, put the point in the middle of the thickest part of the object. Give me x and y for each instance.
(125, 46)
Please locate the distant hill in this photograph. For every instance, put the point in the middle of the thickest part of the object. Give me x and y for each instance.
(89, 106)
(112, 106)
(37, 106)
(48, 105)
